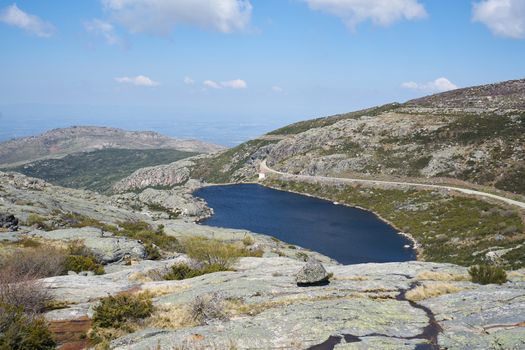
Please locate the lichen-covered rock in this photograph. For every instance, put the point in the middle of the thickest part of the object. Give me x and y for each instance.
(312, 273)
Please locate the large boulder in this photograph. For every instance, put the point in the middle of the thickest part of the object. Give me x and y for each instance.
(9, 222)
(313, 273)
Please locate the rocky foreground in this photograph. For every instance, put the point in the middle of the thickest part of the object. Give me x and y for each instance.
(259, 304)
(364, 306)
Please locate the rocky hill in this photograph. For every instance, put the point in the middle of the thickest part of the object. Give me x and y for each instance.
(475, 135)
(60, 142)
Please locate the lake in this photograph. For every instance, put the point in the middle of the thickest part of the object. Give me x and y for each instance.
(348, 235)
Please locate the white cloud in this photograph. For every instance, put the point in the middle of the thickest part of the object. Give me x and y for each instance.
(503, 17)
(380, 12)
(161, 16)
(189, 81)
(235, 84)
(211, 84)
(139, 80)
(32, 24)
(438, 85)
(104, 29)
(231, 84)
(277, 89)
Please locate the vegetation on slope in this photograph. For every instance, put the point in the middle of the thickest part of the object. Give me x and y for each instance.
(221, 168)
(449, 229)
(98, 170)
(303, 126)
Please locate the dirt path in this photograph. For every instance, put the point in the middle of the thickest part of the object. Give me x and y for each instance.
(265, 169)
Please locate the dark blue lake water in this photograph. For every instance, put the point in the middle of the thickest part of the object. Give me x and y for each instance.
(348, 235)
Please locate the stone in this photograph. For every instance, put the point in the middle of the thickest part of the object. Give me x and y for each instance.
(313, 273)
(9, 222)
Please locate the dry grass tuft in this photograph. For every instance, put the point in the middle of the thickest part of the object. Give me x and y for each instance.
(440, 276)
(171, 316)
(431, 291)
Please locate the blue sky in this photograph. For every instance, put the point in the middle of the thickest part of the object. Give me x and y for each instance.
(255, 64)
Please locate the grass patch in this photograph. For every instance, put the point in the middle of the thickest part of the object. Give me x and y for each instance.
(183, 271)
(212, 252)
(487, 274)
(433, 290)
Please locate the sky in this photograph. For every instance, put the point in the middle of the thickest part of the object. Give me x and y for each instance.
(228, 70)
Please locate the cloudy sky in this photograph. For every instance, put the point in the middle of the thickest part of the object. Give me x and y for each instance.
(247, 60)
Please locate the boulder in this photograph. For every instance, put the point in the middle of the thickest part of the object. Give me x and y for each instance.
(313, 273)
(9, 222)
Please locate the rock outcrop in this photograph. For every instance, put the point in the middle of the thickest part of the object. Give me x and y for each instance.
(8, 222)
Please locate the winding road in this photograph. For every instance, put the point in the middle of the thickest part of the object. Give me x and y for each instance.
(265, 169)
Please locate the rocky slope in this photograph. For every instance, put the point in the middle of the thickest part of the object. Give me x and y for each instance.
(475, 135)
(60, 142)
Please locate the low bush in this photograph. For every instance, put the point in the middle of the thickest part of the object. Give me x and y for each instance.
(42, 261)
(79, 263)
(23, 290)
(38, 221)
(142, 231)
(184, 271)
(152, 252)
(20, 330)
(214, 252)
(487, 274)
(208, 307)
(116, 311)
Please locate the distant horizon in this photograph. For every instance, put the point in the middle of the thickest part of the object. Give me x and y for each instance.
(252, 65)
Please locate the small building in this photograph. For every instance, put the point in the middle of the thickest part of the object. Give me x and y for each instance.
(262, 176)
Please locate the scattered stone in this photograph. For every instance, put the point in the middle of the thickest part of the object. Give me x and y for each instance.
(9, 222)
(313, 273)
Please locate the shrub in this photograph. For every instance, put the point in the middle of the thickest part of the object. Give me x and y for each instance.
(142, 231)
(214, 252)
(487, 274)
(208, 307)
(248, 240)
(23, 290)
(38, 222)
(184, 271)
(20, 331)
(79, 263)
(43, 261)
(116, 311)
(152, 252)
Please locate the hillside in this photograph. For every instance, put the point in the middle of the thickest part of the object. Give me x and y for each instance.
(60, 142)
(98, 170)
(474, 135)
(442, 136)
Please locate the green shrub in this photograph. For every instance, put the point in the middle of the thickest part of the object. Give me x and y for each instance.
(79, 263)
(116, 311)
(142, 231)
(487, 274)
(184, 271)
(214, 252)
(20, 331)
(38, 222)
(152, 252)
